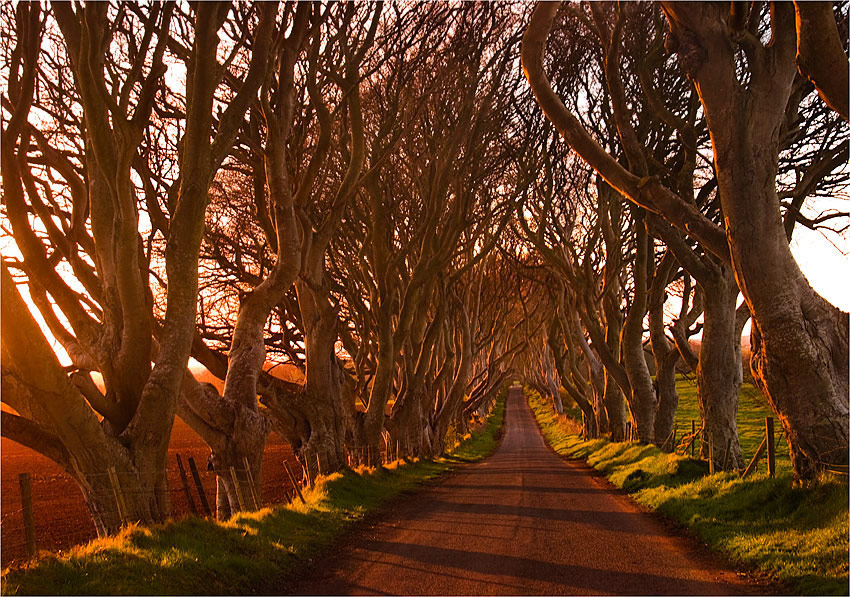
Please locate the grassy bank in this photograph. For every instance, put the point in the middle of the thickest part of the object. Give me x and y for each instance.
(752, 409)
(250, 554)
(797, 535)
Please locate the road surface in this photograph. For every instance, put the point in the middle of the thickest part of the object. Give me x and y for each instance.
(523, 521)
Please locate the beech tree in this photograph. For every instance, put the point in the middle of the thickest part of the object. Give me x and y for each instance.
(579, 230)
(232, 424)
(798, 336)
(424, 209)
(117, 60)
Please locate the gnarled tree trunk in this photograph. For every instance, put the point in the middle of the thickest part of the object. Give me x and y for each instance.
(642, 399)
(452, 405)
(316, 419)
(800, 341)
(719, 371)
(718, 366)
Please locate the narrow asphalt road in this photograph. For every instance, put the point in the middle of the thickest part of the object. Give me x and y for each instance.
(523, 521)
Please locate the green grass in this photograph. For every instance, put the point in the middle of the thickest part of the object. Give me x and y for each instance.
(752, 409)
(795, 534)
(253, 553)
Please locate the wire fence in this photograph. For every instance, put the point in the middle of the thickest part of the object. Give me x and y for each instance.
(62, 518)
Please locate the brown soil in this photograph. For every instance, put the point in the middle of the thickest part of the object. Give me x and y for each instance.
(61, 517)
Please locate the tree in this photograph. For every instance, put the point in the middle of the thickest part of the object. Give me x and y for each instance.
(116, 55)
(426, 212)
(800, 340)
(232, 424)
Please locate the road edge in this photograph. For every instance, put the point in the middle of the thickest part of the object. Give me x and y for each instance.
(699, 549)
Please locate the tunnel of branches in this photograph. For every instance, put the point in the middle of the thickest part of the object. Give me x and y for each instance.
(353, 224)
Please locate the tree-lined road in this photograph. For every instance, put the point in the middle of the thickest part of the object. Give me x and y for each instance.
(524, 521)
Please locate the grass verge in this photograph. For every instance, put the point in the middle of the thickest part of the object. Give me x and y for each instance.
(752, 409)
(796, 535)
(253, 553)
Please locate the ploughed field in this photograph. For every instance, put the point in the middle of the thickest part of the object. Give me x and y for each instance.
(61, 517)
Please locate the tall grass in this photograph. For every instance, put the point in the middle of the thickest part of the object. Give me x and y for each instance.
(253, 553)
(795, 534)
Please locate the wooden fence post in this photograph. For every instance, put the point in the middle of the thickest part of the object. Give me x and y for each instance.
(255, 495)
(199, 486)
(185, 482)
(236, 488)
(119, 495)
(694, 436)
(771, 448)
(710, 456)
(293, 481)
(26, 508)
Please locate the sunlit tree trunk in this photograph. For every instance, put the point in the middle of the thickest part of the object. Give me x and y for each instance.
(329, 405)
(718, 366)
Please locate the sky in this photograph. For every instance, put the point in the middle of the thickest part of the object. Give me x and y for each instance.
(827, 269)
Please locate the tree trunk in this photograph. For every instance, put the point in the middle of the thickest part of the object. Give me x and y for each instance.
(328, 411)
(315, 418)
(588, 419)
(595, 370)
(552, 386)
(602, 423)
(247, 440)
(137, 499)
(800, 342)
(642, 401)
(719, 370)
(665, 354)
(246, 436)
(452, 407)
(615, 404)
(234, 432)
(372, 422)
(409, 423)
(668, 397)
